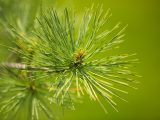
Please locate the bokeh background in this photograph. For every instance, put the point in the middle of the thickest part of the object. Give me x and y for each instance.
(142, 37)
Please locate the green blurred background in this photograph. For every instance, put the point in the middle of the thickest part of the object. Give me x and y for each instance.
(142, 37)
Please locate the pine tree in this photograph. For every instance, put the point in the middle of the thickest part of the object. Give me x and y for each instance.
(58, 60)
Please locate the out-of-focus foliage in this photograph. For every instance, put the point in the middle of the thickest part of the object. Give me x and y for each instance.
(16, 13)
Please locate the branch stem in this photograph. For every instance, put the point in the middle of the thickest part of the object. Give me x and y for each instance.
(22, 66)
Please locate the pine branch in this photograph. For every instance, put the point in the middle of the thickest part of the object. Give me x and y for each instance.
(21, 66)
(59, 62)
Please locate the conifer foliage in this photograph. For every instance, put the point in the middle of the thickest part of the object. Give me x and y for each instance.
(60, 58)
